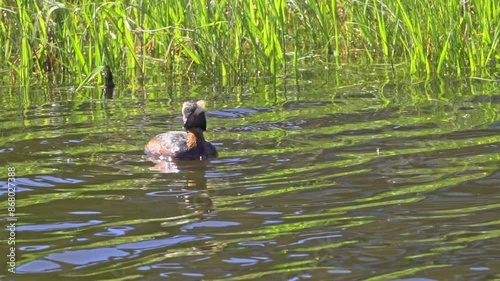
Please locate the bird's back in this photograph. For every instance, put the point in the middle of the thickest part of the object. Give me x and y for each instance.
(169, 144)
(174, 145)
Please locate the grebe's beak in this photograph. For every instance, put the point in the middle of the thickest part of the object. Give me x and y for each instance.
(196, 120)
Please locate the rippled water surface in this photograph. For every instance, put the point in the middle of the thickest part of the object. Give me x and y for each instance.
(367, 181)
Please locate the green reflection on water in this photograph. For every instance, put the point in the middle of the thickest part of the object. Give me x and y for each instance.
(344, 155)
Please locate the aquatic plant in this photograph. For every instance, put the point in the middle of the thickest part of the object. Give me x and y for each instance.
(230, 40)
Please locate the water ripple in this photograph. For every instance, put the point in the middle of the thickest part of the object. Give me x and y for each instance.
(354, 182)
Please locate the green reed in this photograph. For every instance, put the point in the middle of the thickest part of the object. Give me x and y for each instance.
(231, 40)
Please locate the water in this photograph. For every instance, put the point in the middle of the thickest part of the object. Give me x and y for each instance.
(365, 180)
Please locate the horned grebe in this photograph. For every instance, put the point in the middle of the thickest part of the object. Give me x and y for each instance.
(184, 145)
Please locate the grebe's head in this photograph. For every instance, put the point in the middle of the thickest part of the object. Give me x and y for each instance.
(193, 114)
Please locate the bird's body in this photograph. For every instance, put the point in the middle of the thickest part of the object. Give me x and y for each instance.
(175, 145)
(184, 145)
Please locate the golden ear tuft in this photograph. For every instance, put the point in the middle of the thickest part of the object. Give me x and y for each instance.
(200, 106)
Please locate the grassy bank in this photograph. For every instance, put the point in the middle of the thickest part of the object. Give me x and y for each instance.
(228, 40)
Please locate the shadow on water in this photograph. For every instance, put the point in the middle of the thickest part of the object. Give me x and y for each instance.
(368, 181)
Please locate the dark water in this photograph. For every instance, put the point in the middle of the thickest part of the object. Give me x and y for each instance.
(367, 181)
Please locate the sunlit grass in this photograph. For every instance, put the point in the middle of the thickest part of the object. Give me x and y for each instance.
(231, 40)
